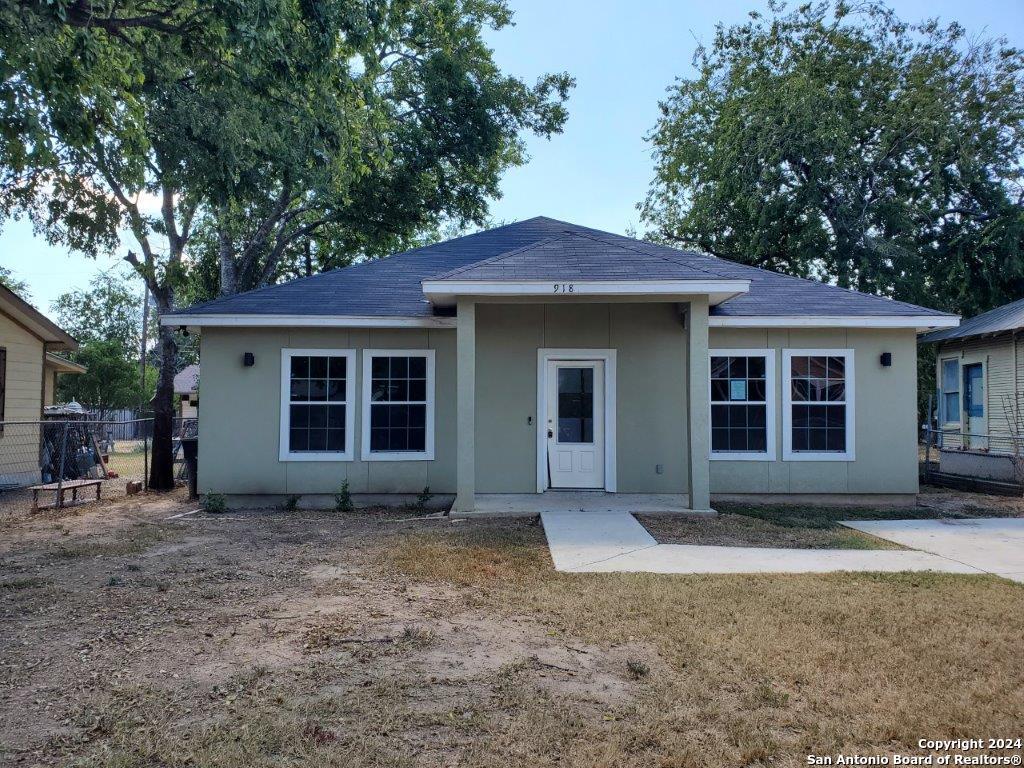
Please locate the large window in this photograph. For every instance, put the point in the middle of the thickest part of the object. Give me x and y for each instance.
(743, 404)
(316, 411)
(398, 405)
(950, 392)
(818, 405)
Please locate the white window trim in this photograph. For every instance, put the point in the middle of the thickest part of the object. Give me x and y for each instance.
(770, 407)
(788, 454)
(350, 397)
(366, 454)
(945, 420)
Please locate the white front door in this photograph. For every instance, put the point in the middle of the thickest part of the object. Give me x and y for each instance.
(575, 424)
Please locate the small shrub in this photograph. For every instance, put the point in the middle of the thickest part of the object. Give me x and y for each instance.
(291, 503)
(637, 669)
(343, 499)
(214, 503)
(424, 498)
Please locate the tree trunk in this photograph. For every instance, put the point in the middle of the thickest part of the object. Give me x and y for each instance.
(161, 472)
(228, 268)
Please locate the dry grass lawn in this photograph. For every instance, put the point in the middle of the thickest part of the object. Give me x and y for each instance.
(281, 639)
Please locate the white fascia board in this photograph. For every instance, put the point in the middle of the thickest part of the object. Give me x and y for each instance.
(918, 322)
(305, 321)
(446, 291)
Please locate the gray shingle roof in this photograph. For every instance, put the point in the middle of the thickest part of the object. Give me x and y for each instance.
(580, 256)
(542, 248)
(1008, 317)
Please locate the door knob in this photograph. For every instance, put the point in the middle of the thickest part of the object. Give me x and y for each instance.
(550, 434)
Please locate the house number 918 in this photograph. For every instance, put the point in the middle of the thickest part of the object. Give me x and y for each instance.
(564, 287)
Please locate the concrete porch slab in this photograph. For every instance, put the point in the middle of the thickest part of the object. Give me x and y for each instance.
(583, 501)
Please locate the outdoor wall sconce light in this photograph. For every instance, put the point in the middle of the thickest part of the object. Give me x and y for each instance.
(886, 359)
(248, 359)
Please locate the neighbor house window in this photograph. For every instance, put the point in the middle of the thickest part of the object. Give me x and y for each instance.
(743, 404)
(818, 405)
(950, 391)
(317, 388)
(398, 405)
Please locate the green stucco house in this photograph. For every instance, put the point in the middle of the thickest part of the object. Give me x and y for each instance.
(544, 357)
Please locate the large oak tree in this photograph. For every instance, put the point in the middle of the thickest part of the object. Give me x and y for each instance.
(838, 141)
(262, 129)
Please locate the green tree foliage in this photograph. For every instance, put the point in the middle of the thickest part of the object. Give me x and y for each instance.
(111, 310)
(11, 282)
(107, 321)
(840, 142)
(110, 381)
(263, 125)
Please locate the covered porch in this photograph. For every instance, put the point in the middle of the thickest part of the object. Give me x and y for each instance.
(531, 504)
(618, 421)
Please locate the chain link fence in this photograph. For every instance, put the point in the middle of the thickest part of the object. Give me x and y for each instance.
(58, 463)
(971, 461)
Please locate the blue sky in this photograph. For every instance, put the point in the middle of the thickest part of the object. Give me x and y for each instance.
(623, 55)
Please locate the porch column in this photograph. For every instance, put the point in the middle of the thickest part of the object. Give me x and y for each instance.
(465, 465)
(698, 428)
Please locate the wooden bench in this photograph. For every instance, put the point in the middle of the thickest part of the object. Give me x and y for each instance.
(62, 488)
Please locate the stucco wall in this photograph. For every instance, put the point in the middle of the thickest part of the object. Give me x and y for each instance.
(885, 428)
(240, 407)
(650, 375)
(19, 445)
(239, 414)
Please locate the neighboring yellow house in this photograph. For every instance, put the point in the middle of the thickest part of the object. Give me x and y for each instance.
(28, 378)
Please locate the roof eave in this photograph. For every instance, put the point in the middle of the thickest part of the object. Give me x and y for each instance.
(917, 322)
(446, 292)
(196, 321)
(34, 321)
(63, 365)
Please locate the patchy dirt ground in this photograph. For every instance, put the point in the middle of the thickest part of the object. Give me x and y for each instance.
(135, 633)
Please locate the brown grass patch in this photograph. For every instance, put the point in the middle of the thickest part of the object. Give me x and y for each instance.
(771, 667)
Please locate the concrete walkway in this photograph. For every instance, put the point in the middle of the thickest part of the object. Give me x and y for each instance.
(614, 542)
(991, 544)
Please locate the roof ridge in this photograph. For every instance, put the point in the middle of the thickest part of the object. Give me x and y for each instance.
(499, 257)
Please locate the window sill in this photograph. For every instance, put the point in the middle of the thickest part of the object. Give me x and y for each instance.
(399, 456)
(741, 456)
(808, 456)
(326, 456)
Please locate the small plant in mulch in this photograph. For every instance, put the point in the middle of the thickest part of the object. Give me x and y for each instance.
(637, 669)
(291, 504)
(424, 498)
(343, 499)
(214, 504)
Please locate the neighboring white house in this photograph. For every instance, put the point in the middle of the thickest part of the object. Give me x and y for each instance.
(544, 356)
(979, 376)
(186, 389)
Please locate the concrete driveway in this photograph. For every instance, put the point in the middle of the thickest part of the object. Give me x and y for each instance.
(607, 542)
(991, 544)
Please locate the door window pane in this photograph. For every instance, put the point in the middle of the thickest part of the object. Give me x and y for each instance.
(575, 405)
